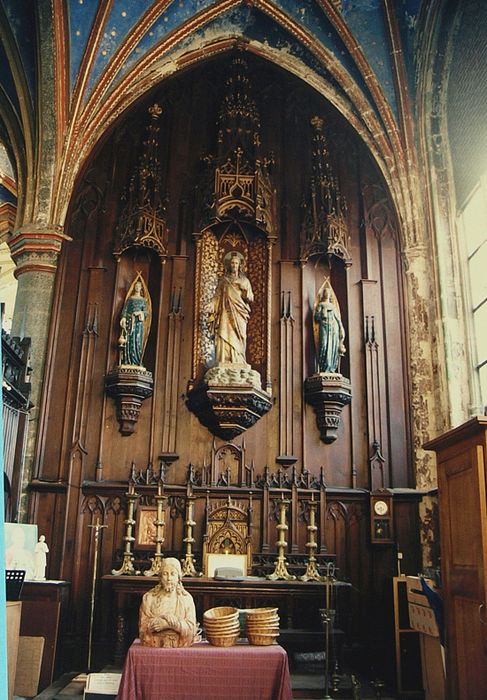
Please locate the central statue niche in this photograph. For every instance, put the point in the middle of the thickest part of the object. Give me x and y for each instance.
(231, 305)
(231, 344)
(231, 328)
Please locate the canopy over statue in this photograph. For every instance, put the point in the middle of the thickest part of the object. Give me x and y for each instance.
(135, 322)
(329, 332)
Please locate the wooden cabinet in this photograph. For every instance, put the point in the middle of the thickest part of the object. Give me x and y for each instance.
(14, 610)
(408, 653)
(44, 608)
(461, 458)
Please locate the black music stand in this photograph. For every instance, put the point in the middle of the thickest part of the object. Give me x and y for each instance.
(14, 580)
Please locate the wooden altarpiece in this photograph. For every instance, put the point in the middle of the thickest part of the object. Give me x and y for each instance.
(236, 219)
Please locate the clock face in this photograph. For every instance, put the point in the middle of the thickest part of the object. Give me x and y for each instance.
(381, 507)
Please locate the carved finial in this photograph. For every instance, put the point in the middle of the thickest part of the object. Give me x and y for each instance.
(142, 221)
(155, 111)
(317, 123)
(325, 229)
(242, 187)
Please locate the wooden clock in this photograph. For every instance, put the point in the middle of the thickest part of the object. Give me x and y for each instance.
(381, 520)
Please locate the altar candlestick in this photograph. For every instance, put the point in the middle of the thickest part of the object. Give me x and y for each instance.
(96, 527)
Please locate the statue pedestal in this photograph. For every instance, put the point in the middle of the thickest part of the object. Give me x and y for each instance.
(230, 401)
(129, 386)
(328, 393)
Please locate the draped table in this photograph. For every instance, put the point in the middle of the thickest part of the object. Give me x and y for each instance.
(206, 672)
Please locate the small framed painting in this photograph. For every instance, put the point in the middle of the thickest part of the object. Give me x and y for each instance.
(145, 527)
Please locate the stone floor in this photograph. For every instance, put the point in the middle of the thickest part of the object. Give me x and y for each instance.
(306, 686)
(307, 678)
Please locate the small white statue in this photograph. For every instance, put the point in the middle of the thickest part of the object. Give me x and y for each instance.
(40, 559)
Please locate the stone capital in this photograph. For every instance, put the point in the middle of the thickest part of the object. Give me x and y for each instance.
(8, 206)
(36, 249)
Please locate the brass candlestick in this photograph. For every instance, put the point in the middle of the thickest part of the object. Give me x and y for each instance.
(280, 570)
(328, 617)
(187, 564)
(311, 573)
(160, 523)
(127, 567)
(96, 527)
(356, 686)
(378, 685)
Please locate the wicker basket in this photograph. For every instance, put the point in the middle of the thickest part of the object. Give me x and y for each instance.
(261, 613)
(221, 613)
(262, 629)
(223, 640)
(262, 623)
(262, 640)
(223, 625)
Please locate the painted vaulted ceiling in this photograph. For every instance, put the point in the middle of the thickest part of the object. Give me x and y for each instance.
(69, 67)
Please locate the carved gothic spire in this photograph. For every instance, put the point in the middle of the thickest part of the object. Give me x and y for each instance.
(242, 186)
(142, 222)
(325, 230)
(239, 120)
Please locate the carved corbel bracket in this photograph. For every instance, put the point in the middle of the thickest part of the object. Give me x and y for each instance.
(128, 386)
(328, 393)
(227, 411)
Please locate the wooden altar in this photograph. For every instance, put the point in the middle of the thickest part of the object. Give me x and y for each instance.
(298, 602)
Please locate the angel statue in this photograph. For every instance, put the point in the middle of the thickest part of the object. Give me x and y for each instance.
(328, 330)
(135, 321)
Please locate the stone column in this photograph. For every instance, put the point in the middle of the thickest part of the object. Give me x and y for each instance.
(35, 252)
(429, 407)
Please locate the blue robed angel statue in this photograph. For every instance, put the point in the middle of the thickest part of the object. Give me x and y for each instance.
(135, 321)
(328, 330)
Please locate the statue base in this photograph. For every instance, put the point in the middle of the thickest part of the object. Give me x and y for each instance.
(328, 393)
(233, 375)
(129, 386)
(230, 401)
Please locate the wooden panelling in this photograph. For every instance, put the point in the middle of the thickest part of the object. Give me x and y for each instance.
(81, 453)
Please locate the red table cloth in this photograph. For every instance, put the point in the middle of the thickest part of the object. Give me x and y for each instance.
(205, 672)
